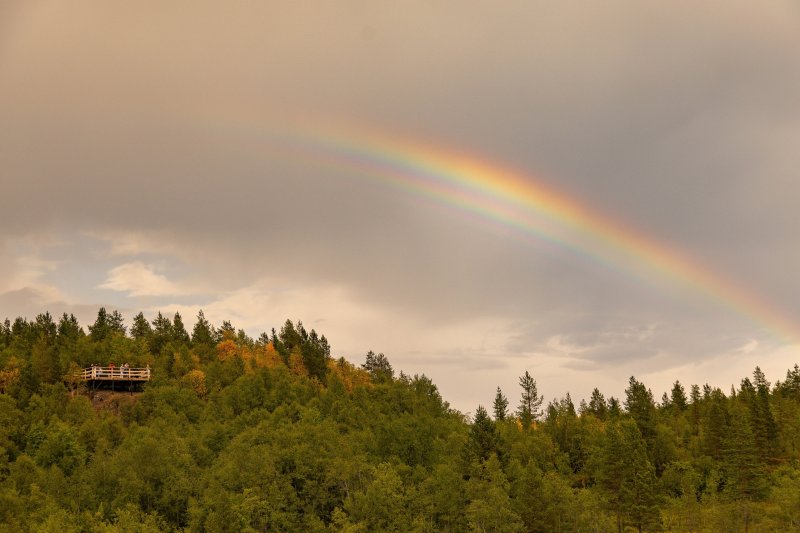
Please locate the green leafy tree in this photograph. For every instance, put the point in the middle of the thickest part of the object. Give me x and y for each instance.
(382, 505)
(490, 507)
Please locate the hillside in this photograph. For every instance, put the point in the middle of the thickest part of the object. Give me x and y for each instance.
(274, 434)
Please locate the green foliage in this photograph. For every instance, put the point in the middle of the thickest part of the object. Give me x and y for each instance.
(276, 435)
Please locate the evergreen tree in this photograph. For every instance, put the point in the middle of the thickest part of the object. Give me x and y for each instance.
(179, 333)
(597, 405)
(5, 333)
(116, 324)
(378, 367)
(716, 424)
(263, 339)
(44, 356)
(678, 397)
(695, 412)
(788, 389)
(639, 404)
(162, 333)
(745, 470)
(287, 339)
(45, 326)
(765, 431)
(614, 408)
(666, 402)
(315, 356)
(203, 337)
(500, 405)
(69, 328)
(483, 437)
(226, 332)
(628, 477)
(243, 339)
(101, 329)
(530, 403)
(141, 329)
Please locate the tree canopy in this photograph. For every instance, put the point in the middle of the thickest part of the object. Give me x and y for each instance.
(276, 434)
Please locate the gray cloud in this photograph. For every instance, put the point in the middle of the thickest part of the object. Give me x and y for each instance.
(139, 134)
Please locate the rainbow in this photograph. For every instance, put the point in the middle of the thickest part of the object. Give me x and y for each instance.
(520, 201)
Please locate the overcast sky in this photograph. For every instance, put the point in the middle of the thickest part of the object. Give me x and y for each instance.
(139, 171)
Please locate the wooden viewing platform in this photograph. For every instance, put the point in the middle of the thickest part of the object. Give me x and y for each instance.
(109, 373)
(114, 378)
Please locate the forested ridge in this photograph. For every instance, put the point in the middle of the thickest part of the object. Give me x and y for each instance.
(274, 434)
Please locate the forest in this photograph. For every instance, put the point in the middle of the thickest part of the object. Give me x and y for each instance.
(234, 433)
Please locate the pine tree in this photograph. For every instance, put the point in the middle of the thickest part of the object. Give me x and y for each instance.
(45, 326)
(695, 413)
(789, 388)
(116, 324)
(101, 328)
(745, 471)
(162, 333)
(226, 332)
(678, 397)
(530, 403)
(5, 333)
(597, 405)
(639, 404)
(202, 333)
(315, 356)
(378, 367)
(628, 477)
(179, 333)
(141, 329)
(500, 405)
(483, 437)
(614, 409)
(765, 430)
(69, 330)
(716, 424)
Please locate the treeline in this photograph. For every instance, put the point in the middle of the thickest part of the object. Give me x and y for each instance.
(274, 434)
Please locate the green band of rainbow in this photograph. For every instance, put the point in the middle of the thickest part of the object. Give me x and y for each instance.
(527, 204)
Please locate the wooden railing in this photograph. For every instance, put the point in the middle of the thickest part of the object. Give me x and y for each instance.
(109, 373)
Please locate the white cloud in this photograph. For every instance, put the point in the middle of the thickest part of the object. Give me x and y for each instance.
(139, 279)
